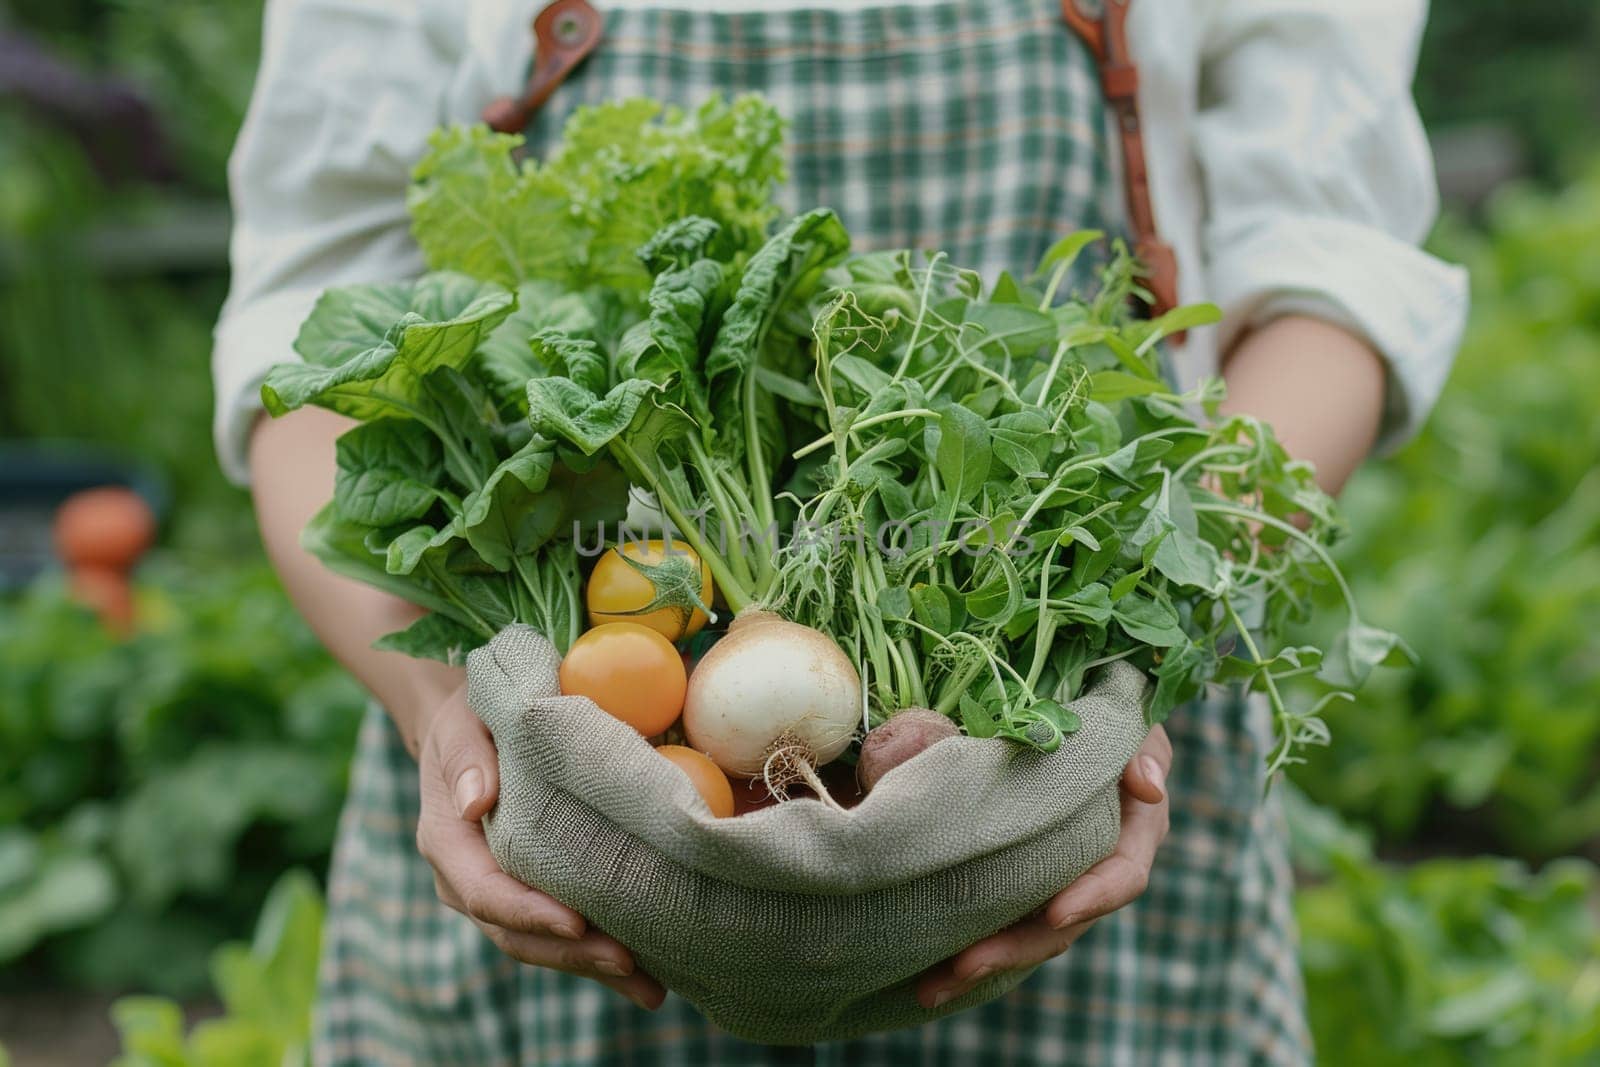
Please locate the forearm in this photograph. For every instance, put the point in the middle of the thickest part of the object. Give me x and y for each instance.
(1318, 386)
(292, 469)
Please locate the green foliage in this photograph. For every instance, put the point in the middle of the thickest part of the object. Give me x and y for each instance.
(1529, 66)
(444, 493)
(1481, 543)
(151, 788)
(1448, 961)
(620, 173)
(1060, 508)
(196, 61)
(697, 358)
(266, 988)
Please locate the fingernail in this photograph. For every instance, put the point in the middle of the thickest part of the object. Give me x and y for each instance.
(612, 968)
(978, 975)
(639, 1000)
(1062, 924)
(1153, 771)
(469, 787)
(943, 997)
(567, 930)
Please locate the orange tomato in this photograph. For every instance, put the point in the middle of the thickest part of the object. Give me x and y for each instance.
(639, 575)
(709, 781)
(631, 671)
(109, 527)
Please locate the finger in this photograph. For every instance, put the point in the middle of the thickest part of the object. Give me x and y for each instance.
(1146, 774)
(463, 751)
(594, 956)
(471, 882)
(1121, 876)
(639, 988)
(1024, 944)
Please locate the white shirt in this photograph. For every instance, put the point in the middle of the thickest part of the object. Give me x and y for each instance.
(1288, 167)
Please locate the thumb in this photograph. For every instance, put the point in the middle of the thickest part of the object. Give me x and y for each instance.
(1145, 777)
(466, 759)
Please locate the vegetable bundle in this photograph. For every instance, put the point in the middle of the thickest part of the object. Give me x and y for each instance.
(973, 498)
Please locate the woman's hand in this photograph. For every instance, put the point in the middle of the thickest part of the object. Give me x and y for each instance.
(1108, 885)
(460, 782)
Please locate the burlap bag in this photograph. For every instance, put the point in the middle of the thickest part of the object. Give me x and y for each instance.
(796, 923)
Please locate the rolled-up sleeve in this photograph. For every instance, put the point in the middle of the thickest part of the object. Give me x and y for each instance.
(1319, 185)
(347, 93)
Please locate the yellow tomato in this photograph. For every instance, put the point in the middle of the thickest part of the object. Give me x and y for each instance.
(647, 583)
(631, 671)
(707, 778)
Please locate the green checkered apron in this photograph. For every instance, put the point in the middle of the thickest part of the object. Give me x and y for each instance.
(975, 126)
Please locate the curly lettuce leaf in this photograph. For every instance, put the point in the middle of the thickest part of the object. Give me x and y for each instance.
(621, 172)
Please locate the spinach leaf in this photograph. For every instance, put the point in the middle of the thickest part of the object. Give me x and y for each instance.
(368, 347)
(389, 471)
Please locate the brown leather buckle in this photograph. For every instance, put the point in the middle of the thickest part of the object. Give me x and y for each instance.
(564, 33)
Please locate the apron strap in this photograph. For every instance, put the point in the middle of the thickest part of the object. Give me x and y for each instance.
(564, 33)
(1106, 35)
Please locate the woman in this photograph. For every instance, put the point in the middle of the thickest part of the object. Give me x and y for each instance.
(1288, 170)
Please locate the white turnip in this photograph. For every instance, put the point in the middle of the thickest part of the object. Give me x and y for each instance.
(773, 698)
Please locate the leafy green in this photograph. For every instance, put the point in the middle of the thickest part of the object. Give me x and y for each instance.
(491, 390)
(1067, 506)
(579, 217)
(266, 987)
(1449, 960)
(368, 348)
(130, 848)
(388, 471)
(1013, 494)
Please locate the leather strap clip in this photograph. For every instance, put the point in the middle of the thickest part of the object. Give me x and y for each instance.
(1121, 82)
(1105, 31)
(565, 32)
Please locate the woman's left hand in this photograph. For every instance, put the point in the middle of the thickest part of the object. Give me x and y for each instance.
(1108, 885)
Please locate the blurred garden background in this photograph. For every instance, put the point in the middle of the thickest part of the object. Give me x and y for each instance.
(168, 795)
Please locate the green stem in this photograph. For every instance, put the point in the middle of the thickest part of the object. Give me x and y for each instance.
(919, 694)
(1045, 629)
(1294, 532)
(1056, 278)
(1207, 454)
(1279, 709)
(1050, 375)
(734, 591)
(876, 640)
(873, 420)
(447, 588)
(754, 458)
(969, 362)
(957, 684)
(720, 501)
(531, 594)
(922, 313)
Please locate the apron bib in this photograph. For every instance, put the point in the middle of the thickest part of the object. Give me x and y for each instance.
(973, 127)
(977, 127)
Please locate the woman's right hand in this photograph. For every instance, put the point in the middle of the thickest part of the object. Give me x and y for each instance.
(460, 783)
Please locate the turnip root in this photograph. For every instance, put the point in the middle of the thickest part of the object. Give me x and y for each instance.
(901, 737)
(775, 699)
